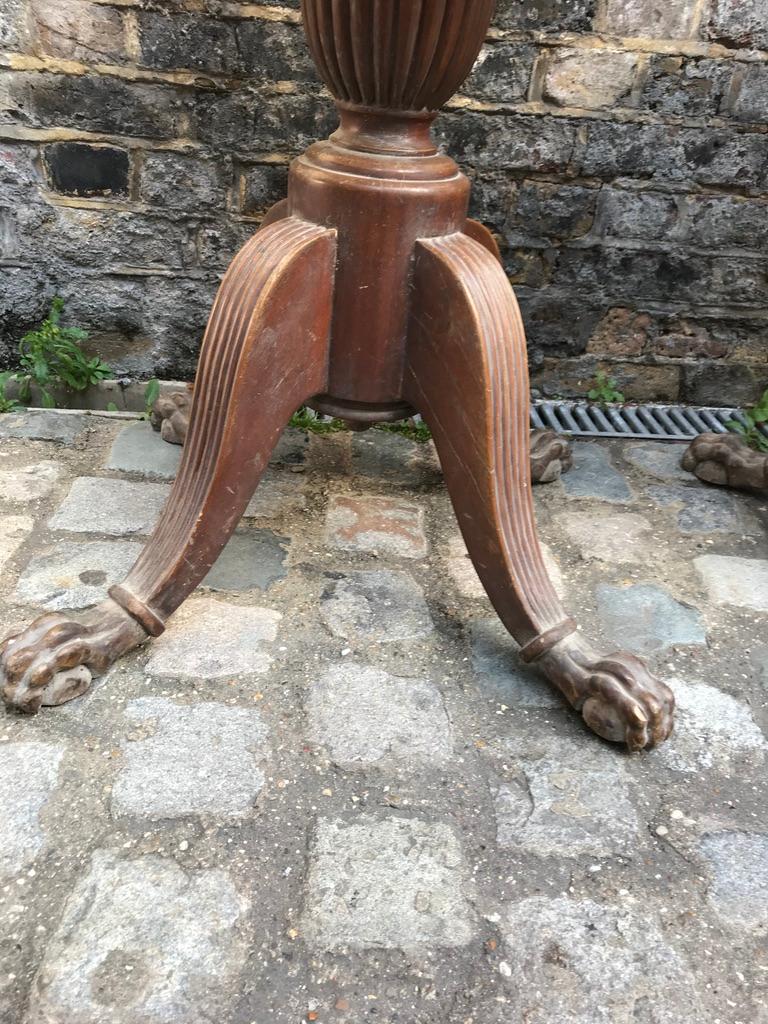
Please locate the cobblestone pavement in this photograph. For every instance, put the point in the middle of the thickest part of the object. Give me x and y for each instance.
(330, 792)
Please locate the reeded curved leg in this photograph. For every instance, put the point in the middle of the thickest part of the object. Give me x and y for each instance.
(265, 352)
(466, 373)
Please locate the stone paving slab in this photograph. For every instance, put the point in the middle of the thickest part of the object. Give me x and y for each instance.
(380, 606)
(143, 940)
(59, 427)
(704, 509)
(345, 794)
(75, 574)
(594, 476)
(661, 461)
(14, 530)
(29, 483)
(251, 560)
(644, 618)
(30, 773)
(369, 718)
(731, 580)
(376, 524)
(391, 884)
(118, 508)
(140, 449)
(211, 639)
(182, 759)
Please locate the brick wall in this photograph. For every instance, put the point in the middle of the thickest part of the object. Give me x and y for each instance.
(619, 148)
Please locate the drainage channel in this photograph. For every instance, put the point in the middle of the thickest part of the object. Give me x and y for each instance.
(662, 422)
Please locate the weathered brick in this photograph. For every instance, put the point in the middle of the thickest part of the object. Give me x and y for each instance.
(187, 41)
(78, 30)
(175, 180)
(641, 382)
(740, 23)
(621, 332)
(78, 169)
(511, 142)
(15, 29)
(262, 185)
(685, 340)
(673, 19)
(681, 87)
(751, 102)
(544, 211)
(545, 15)
(589, 78)
(97, 104)
(707, 383)
(274, 50)
(642, 215)
(20, 177)
(502, 73)
(727, 221)
(719, 156)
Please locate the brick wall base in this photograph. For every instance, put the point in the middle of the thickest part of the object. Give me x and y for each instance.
(618, 149)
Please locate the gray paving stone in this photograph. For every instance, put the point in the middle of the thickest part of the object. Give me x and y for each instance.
(279, 493)
(381, 606)
(570, 799)
(252, 560)
(30, 774)
(594, 476)
(644, 618)
(209, 639)
(292, 448)
(140, 449)
(190, 759)
(14, 530)
(661, 461)
(705, 509)
(391, 884)
(366, 717)
(622, 537)
(712, 730)
(500, 673)
(75, 575)
(61, 427)
(576, 961)
(386, 456)
(738, 866)
(30, 483)
(119, 508)
(144, 941)
(730, 580)
(376, 524)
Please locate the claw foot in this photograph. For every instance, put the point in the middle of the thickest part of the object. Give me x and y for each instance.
(551, 456)
(170, 415)
(727, 460)
(618, 697)
(53, 659)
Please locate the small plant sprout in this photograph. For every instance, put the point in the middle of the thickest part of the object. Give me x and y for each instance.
(751, 431)
(52, 357)
(6, 404)
(151, 395)
(605, 390)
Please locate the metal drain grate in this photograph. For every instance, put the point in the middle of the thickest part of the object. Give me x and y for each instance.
(664, 422)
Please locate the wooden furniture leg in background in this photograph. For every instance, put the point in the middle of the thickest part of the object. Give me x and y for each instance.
(370, 294)
(264, 354)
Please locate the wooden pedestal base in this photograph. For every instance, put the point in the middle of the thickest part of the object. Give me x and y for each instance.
(369, 294)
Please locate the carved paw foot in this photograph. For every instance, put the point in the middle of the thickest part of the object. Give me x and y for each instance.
(53, 659)
(618, 697)
(727, 460)
(551, 456)
(170, 415)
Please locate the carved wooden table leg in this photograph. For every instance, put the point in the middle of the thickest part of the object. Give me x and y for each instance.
(265, 352)
(370, 294)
